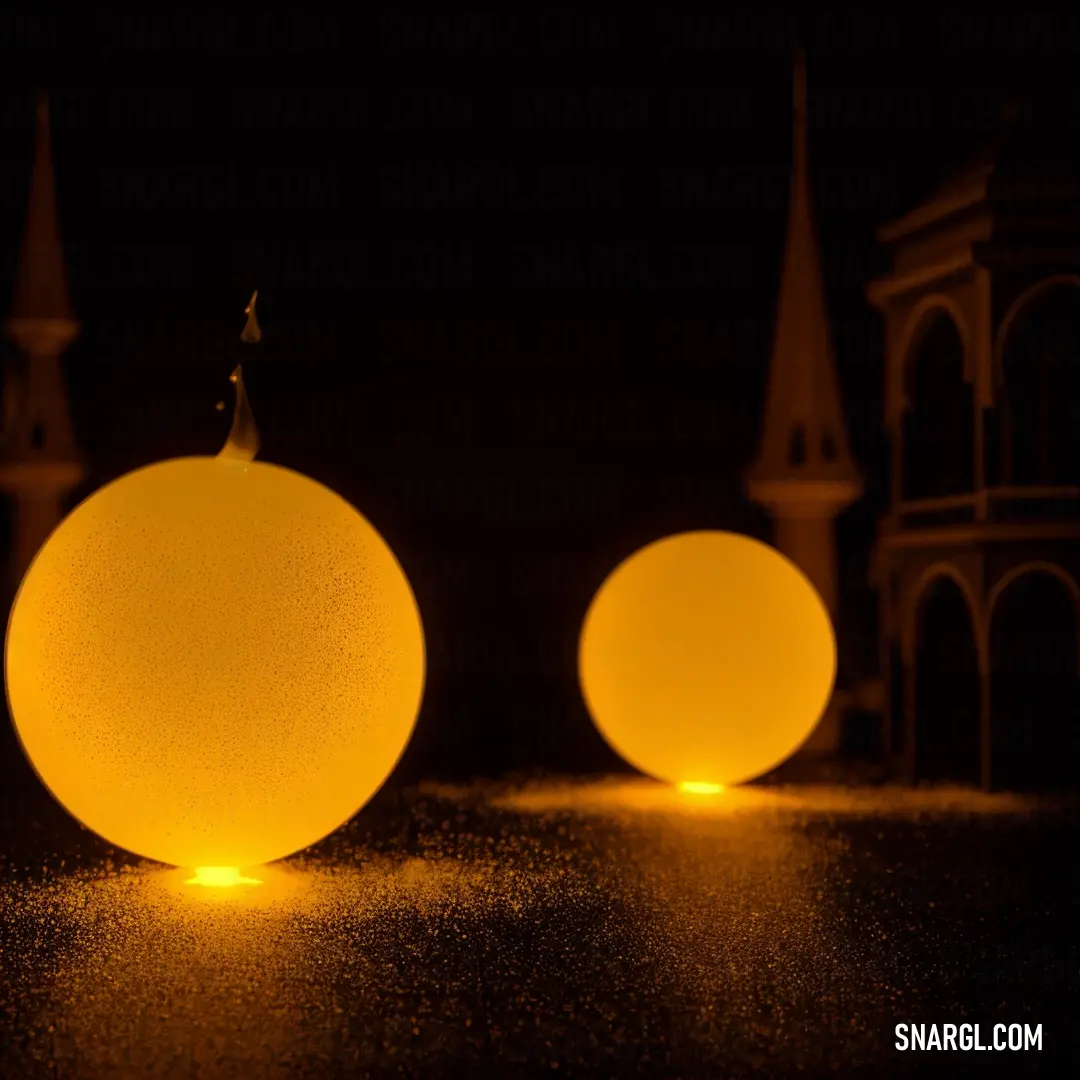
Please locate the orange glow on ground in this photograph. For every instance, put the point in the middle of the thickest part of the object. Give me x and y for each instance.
(220, 877)
(620, 795)
(698, 787)
(706, 654)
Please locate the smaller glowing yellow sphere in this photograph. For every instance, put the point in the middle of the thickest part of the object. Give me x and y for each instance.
(214, 662)
(706, 659)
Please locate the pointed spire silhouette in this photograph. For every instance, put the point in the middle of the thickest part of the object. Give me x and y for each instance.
(251, 334)
(40, 460)
(803, 405)
(41, 290)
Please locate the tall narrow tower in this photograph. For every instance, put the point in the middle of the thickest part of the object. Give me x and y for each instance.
(40, 462)
(804, 474)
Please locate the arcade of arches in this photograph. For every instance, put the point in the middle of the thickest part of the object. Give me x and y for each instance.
(1031, 436)
(1022, 650)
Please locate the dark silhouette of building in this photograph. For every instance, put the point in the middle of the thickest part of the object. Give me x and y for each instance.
(804, 473)
(40, 462)
(977, 561)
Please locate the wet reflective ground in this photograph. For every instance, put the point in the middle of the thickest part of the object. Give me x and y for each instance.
(575, 929)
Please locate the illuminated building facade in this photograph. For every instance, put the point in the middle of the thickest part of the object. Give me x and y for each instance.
(977, 561)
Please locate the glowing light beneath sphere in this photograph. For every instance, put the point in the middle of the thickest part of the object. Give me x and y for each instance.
(696, 787)
(221, 877)
(706, 655)
(214, 662)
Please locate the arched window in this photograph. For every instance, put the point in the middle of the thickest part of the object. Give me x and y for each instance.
(1035, 692)
(947, 686)
(938, 432)
(1039, 412)
(797, 445)
(828, 446)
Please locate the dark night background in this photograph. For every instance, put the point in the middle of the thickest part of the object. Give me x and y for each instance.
(517, 278)
(516, 274)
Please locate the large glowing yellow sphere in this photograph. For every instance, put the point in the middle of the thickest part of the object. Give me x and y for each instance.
(706, 658)
(214, 662)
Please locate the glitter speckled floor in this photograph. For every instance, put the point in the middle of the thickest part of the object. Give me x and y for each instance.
(598, 929)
